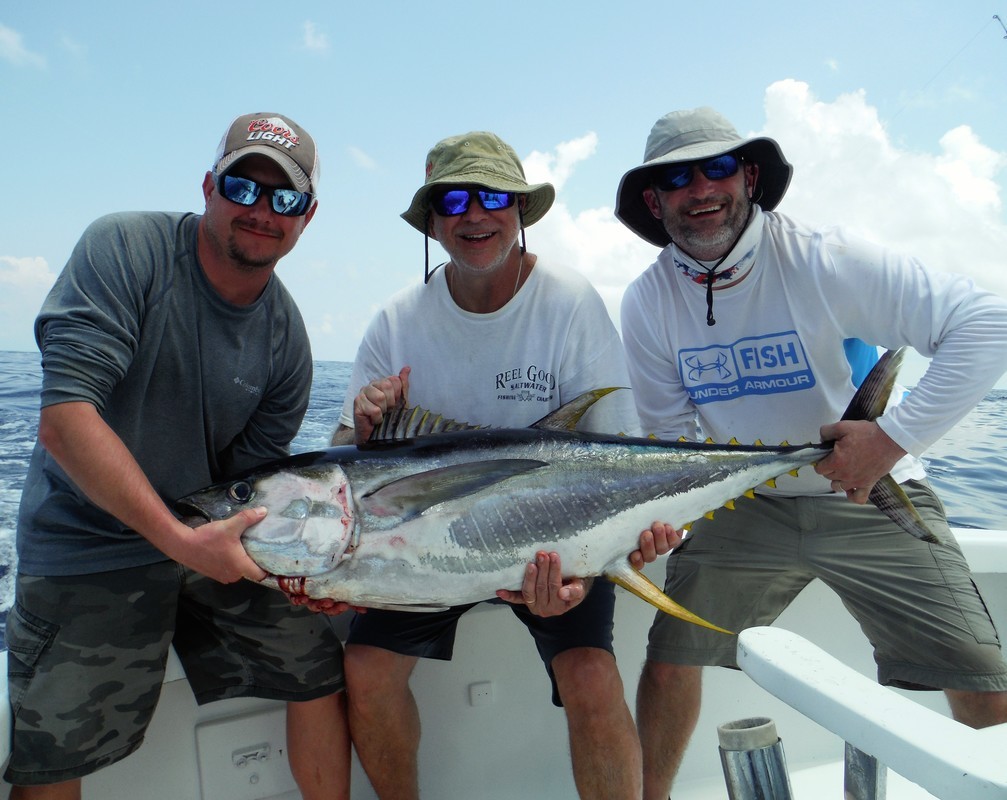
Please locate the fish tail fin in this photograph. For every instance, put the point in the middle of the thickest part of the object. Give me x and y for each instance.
(632, 580)
(871, 397)
(869, 403)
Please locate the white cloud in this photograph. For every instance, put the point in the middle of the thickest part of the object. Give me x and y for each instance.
(25, 273)
(72, 46)
(942, 206)
(556, 168)
(314, 39)
(12, 49)
(24, 283)
(362, 160)
(969, 166)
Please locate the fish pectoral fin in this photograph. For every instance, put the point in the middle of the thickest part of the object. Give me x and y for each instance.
(410, 496)
(893, 502)
(632, 580)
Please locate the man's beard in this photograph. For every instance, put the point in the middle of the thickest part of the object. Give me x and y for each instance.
(694, 241)
(245, 262)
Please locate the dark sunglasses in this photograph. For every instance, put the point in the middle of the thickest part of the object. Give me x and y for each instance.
(452, 202)
(678, 176)
(244, 192)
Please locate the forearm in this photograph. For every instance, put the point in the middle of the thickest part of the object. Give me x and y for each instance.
(98, 462)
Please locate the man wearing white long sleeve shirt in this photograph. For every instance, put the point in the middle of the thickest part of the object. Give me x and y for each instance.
(754, 326)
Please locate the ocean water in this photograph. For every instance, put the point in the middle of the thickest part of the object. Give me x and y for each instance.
(967, 467)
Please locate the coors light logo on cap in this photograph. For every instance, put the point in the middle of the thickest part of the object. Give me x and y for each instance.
(275, 137)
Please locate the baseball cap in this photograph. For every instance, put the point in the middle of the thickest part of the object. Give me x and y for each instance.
(273, 136)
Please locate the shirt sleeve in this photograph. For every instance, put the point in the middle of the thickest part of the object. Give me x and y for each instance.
(663, 405)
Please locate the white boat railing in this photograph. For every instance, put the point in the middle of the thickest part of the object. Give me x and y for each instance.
(945, 757)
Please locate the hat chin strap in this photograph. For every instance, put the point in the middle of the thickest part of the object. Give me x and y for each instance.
(711, 273)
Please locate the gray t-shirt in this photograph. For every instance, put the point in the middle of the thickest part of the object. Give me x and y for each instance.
(197, 388)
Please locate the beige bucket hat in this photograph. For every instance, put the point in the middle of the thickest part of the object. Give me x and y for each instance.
(483, 159)
(695, 135)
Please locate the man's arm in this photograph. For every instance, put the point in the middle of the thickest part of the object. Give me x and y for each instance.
(96, 459)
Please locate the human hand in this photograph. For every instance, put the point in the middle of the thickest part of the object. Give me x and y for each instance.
(660, 538)
(374, 401)
(215, 549)
(544, 590)
(862, 454)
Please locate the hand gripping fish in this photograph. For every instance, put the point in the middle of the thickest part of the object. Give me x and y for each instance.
(431, 513)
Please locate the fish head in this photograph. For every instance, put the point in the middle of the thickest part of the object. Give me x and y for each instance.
(309, 525)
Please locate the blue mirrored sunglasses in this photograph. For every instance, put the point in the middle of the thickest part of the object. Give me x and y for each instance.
(678, 176)
(244, 192)
(452, 202)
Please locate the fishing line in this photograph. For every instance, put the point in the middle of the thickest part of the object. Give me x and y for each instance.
(948, 62)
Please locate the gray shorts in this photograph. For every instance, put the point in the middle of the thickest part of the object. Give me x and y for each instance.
(87, 656)
(916, 602)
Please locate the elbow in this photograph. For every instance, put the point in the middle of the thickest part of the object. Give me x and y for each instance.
(56, 423)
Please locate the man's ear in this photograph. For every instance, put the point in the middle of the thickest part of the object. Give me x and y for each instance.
(653, 202)
(751, 178)
(209, 186)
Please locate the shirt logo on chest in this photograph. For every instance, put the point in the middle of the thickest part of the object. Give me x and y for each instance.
(757, 365)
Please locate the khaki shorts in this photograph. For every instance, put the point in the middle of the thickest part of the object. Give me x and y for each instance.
(87, 655)
(916, 602)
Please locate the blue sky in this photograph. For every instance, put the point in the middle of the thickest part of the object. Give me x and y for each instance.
(892, 114)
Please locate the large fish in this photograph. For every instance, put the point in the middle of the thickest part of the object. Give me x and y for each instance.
(434, 514)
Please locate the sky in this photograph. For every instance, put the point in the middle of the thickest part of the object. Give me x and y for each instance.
(893, 115)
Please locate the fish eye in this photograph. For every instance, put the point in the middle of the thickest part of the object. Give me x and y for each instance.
(240, 492)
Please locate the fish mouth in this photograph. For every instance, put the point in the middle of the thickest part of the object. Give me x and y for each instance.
(191, 514)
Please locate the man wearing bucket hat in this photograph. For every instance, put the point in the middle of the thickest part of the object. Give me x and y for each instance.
(497, 337)
(173, 358)
(754, 326)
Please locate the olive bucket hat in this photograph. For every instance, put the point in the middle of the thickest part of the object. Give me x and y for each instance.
(694, 135)
(482, 159)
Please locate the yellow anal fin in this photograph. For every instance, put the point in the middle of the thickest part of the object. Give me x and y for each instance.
(634, 581)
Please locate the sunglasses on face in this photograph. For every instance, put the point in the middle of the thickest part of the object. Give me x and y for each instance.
(678, 176)
(453, 202)
(245, 192)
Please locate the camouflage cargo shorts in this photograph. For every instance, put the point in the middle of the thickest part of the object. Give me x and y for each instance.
(87, 656)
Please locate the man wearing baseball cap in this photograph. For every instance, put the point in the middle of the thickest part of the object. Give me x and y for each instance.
(754, 326)
(495, 336)
(173, 358)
